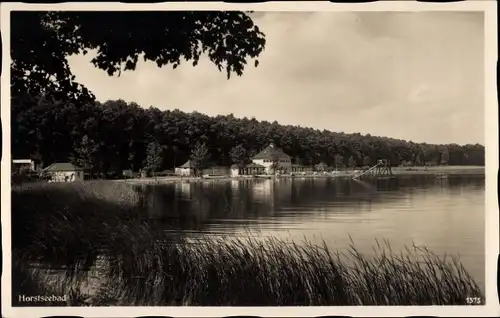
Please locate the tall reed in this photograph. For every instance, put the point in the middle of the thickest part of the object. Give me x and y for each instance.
(272, 272)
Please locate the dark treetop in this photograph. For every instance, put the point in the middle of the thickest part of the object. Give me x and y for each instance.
(41, 41)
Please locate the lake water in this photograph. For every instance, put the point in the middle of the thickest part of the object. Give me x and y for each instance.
(446, 216)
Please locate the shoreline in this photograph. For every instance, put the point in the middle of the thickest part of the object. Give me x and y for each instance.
(396, 171)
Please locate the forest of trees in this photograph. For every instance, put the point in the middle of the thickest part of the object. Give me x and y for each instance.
(112, 136)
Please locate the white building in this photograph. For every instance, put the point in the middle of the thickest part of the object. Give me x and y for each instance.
(64, 172)
(18, 164)
(187, 169)
(251, 169)
(273, 159)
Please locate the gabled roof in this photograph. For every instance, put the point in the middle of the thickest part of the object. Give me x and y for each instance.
(187, 164)
(62, 166)
(271, 152)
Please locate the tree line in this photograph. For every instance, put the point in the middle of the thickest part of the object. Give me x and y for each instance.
(115, 135)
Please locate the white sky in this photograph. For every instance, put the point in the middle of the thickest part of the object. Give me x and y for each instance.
(415, 76)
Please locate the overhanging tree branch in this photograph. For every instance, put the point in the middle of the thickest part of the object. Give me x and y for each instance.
(41, 42)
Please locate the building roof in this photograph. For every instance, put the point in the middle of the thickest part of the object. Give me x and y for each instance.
(271, 152)
(187, 164)
(22, 161)
(62, 166)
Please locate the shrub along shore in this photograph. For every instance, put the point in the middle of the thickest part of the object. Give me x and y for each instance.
(97, 228)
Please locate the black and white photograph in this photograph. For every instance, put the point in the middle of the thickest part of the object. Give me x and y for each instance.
(264, 158)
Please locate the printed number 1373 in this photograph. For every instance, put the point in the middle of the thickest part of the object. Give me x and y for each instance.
(473, 300)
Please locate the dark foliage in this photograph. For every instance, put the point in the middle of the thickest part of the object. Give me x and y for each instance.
(118, 134)
(41, 41)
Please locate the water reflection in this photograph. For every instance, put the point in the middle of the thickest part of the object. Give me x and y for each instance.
(229, 205)
(198, 206)
(447, 215)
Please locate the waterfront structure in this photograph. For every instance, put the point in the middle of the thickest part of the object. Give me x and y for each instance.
(251, 169)
(296, 168)
(187, 169)
(273, 159)
(19, 164)
(63, 172)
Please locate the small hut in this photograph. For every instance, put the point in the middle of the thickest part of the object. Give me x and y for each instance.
(63, 172)
(187, 169)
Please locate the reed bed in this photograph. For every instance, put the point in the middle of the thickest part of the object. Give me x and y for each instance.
(272, 272)
(67, 218)
(73, 229)
(120, 193)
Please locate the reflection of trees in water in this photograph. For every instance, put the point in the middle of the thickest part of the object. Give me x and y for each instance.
(198, 206)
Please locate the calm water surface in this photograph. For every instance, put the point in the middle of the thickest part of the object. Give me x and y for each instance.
(447, 216)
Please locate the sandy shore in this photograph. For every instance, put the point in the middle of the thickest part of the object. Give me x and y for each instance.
(447, 170)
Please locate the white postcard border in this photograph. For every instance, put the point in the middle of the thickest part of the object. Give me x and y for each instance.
(491, 308)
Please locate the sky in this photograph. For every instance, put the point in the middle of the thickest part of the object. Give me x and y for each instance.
(411, 75)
